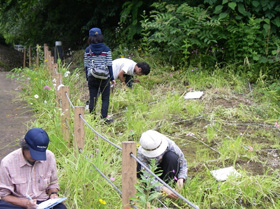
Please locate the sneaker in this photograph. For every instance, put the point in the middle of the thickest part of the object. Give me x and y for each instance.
(87, 105)
(108, 120)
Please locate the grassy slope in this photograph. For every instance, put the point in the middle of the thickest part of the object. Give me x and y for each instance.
(232, 125)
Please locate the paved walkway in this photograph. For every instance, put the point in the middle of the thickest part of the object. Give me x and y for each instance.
(14, 115)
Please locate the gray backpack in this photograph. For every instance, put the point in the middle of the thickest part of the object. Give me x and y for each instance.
(98, 66)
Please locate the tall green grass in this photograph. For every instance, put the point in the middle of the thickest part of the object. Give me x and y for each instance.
(231, 116)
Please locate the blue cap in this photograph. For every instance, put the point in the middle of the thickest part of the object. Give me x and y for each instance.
(38, 141)
(94, 31)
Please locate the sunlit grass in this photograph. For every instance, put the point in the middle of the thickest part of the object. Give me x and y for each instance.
(235, 122)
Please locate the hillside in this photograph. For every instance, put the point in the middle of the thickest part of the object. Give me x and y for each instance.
(9, 58)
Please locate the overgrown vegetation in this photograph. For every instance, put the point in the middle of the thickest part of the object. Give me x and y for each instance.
(229, 49)
(192, 36)
(236, 123)
(183, 33)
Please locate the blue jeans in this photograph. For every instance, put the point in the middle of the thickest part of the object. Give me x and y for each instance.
(94, 84)
(7, 205)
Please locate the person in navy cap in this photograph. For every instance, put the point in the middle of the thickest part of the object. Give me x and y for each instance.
(28, 175)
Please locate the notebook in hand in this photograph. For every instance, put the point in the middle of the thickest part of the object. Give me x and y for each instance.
(51, 203)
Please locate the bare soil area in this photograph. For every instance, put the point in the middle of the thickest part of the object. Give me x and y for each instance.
(14, 114)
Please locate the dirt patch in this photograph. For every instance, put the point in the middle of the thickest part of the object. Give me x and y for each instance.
(14, 115)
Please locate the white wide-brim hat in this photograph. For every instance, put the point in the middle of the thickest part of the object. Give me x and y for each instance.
(153, 143)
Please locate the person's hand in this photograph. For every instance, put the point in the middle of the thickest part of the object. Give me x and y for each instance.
(180, 183)
(124, 86)
(136, 81)
(31, 204)
(113, 83)
(52, 196)
(169, 193)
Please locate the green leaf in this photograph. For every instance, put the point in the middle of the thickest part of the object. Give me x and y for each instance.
(238, 17)
(267, 20)
(276, 21)
(223, 15)
(266, 27)
(218, 9)
(274, 52)
(232, 5)
(225, 1)
(255, 3)
(241, 9)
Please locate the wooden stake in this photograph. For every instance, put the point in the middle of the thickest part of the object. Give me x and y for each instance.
(55, 69)
(58, 81)
(24, 57)
(37, 56)
(46, 48)
(49, 59)
(30, 56)
(65, 112)
(79, 133)
(128, 173)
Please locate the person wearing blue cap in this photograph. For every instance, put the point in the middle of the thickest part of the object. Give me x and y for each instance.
(28, 175)
(98, 69)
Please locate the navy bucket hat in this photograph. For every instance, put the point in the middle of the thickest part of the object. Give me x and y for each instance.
(38, 141)
(94, 31)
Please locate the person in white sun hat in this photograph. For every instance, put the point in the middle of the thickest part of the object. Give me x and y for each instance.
(169, 159)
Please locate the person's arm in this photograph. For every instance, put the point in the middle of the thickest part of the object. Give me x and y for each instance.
(121, 77)
(53, 186)
(86, 60)
(86, 71)
(182, 174)
(167, 192)
(21, 202)
(111, 75)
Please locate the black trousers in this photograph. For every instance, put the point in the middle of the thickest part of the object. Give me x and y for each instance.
(94, 84)
(128, 80)
(7, 205)
(169, 167)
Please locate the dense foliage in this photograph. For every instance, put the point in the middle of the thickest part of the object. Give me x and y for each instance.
(200, 33)
(38, 22)
(193, 35)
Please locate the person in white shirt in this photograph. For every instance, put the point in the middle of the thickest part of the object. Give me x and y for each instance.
(124, 69)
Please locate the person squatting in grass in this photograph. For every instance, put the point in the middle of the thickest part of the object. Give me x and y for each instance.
(169, 159)
(124, 69)
(28, 175)
(98, 69)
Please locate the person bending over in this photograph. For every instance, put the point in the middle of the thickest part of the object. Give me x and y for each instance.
(168, 157)
(124, 69)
